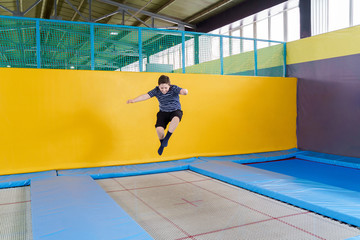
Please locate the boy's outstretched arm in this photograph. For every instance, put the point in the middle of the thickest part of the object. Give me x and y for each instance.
(139, 98)
(183, 91)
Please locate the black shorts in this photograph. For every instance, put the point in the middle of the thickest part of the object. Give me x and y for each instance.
(163, 118)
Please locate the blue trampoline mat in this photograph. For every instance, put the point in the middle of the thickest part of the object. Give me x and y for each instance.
(19, 180)
(255, 157)
(322, 188)
(131, 170)
(76, 207)
(338, 176)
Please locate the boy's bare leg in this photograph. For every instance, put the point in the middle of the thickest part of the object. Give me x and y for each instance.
(160, 132)
(173, 124)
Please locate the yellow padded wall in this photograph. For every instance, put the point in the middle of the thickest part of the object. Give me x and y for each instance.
(63, 119)
(338, 43)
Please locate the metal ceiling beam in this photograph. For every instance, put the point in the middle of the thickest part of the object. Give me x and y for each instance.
(208, 10)
(78, 8)
(163, 18)
(157, 11)
(8, 10)
(31, 7)
(118, 11)
(139, 11)
(42, 9)
(109, 15)
(19, 7)
(136, 18)
(55, 11)
(90, 13)
(50, 4)
(123, 13)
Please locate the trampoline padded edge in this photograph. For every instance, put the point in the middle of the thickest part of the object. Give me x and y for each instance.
(329, 201)
(76, 207)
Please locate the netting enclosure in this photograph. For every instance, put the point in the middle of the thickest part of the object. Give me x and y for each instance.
(54, 44)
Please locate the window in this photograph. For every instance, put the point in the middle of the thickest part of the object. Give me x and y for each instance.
(225, 30)
(165, 57)
(269, 24)
(204, 49)
(215, 48)
(262, 32)
(277, 27)
(235, 24)
(293, 17)
(177, 58)
(279, 23)
(235, 43)
(330, 15)
(226, 47)
(155, 58)
(339, 14)
(189, 53)
(248, 32)
(356, 12)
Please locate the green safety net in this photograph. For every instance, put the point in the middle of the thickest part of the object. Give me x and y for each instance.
(18, 43)
(38, 43)
(65, 46)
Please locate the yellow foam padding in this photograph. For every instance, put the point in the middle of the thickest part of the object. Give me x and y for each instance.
(64, 119)
(328, 45)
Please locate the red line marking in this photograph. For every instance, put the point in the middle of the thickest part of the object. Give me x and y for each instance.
(190, 202)
(165, 185)
(274, 218)
(158, 213)
(2, 204)
(220, 230)
(243, 225)
(238, 226)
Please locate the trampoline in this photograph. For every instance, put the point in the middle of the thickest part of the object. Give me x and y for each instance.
(188, 199)
(186, 205)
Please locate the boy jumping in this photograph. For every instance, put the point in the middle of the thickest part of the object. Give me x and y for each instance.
(170, 108)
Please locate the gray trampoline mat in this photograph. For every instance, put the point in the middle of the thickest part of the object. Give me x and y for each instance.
(187, 205)
(15, 214)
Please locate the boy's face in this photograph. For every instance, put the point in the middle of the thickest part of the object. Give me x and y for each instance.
(164, 88)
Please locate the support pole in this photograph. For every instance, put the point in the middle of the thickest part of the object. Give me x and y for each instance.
(38, 44)
(183, 51)
(140, 51)
(255, 59)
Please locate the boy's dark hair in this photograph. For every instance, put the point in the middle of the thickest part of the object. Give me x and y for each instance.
(164, 79)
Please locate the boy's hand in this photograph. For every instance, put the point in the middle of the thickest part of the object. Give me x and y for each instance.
(184, 91)
(139, 98)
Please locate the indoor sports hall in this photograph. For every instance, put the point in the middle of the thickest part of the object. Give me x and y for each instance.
(268, 146)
